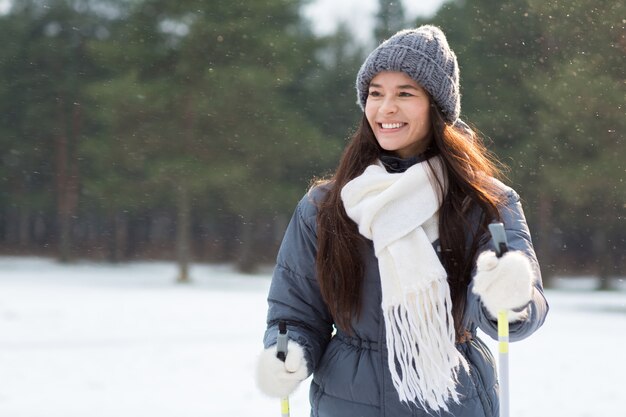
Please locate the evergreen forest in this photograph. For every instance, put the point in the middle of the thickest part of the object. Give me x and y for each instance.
(188, 130)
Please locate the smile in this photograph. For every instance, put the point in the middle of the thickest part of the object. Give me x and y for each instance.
(391, 125)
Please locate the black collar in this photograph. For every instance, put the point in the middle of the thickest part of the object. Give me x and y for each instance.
(395, 164)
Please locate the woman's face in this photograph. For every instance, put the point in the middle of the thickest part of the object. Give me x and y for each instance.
(398, 111)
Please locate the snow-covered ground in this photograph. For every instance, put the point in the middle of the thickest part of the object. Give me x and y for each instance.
(104, 340)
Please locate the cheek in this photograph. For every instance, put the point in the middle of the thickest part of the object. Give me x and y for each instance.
(370, 115)
(424, 114)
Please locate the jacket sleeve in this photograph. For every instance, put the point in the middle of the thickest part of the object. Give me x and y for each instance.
(294, 294)
(519, 239)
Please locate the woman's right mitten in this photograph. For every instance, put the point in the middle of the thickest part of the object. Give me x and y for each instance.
(277, 378)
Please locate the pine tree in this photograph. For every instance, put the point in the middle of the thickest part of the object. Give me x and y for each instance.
(581, 126)
(212, 86)
(47, 67)
(541, 80)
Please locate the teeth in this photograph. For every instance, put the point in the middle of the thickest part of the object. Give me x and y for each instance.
(391, 125)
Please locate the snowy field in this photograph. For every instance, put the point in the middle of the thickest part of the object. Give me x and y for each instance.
(96, 340)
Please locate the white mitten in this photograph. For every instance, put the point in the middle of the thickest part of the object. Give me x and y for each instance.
(504, 283)
(277, 378)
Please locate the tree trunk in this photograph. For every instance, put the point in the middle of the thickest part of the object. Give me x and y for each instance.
(62, 183)
(24, 228)
(121, 235)
(545, 238)
(66, 178)
(183, 226)
(603, 259)
(118, 236)
(12, 232)
(183, 233)
(246, 261)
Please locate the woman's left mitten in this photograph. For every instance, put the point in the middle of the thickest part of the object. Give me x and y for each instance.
(504, 283)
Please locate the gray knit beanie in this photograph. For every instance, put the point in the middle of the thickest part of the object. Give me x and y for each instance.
(424, 55)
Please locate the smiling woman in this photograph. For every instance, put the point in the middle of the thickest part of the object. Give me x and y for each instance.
(394, 253)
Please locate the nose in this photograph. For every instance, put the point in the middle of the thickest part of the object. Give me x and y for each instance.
(388, 105)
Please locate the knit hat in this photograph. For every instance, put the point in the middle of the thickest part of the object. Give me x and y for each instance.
(424, 55)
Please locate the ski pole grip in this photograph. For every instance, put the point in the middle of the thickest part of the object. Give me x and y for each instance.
(281, 341)
(499, 238)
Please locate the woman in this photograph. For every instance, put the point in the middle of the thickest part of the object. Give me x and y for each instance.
(395, 254)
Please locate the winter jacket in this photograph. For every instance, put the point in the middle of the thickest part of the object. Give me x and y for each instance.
(350, 373)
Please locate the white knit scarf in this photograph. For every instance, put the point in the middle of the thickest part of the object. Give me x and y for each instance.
(399, 212)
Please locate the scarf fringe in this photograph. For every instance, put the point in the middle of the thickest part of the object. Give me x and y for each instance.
(421, 341)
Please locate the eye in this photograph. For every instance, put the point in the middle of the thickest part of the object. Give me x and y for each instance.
(374, 93)
(405, 94)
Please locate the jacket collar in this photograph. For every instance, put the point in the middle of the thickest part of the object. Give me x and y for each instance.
(395, 164)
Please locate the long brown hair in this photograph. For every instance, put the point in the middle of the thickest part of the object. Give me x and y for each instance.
(468, 166)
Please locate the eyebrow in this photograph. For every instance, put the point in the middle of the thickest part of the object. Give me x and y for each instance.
(400, 87)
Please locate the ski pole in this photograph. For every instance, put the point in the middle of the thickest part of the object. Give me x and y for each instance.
(499, 240)
(281, 353)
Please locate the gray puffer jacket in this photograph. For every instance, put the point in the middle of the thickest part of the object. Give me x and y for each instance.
(350, 373)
